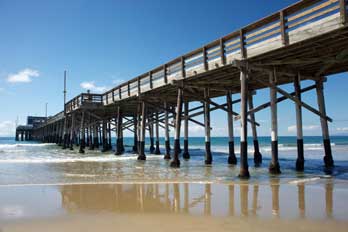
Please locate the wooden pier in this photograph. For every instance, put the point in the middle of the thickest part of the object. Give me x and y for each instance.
(305, 41)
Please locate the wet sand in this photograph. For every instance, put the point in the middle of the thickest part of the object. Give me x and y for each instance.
(298, 206)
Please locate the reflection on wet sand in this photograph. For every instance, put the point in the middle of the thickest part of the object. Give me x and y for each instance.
(207, 199)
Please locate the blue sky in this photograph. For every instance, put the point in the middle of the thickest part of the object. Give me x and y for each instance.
(102, 43)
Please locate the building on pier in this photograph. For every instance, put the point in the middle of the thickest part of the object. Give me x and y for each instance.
(25, 132)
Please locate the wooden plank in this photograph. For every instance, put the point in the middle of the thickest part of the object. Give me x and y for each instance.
(263, 36)
(292, 25)
(311, 10)
(260, 31)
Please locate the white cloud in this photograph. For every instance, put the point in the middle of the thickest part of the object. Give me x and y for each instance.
(23, 76)
(90, 85)
(7, 128)
(342, 129)
(118, 81)
(293, 128)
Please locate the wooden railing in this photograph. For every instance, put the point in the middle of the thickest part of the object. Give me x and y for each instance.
(82, 99)
(298, 22)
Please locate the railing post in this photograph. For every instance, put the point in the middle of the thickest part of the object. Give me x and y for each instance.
(165, 74)
(284, 35)
(343, 12)
(222, 52)
(128, 89)
(205, 59)
(119, 92)
(139, 89)
(242, 44)
(150, 79)
(183, 72)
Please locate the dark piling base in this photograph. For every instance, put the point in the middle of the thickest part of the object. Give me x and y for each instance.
(167, 154)
(142, 155)
(328, 160)
(157, 150)
(208, 156)
(300, 156)
(232, 159)
(152, 147)
(176, 162)
(274, 168)
(119, 149)
(257, 154)
(244, 167)
(186, 154)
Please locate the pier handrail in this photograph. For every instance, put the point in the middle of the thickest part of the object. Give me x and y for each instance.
(81, 99)
(240, 44)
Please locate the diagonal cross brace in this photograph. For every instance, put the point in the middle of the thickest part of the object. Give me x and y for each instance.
(297, 101)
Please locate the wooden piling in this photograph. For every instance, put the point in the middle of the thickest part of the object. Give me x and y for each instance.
(104, 136)
(300, 150)
(244, 168)
(64, 132)
(135, 138)
(186, 154)
(157, 148)
(274, 167)
(95, 134)
(141, 155)
(82, 131)
(109, 135)
(119, 132)
(328, 160)
(257, 153)
(152, 142)
(231, 154)
(72, 131)
(208, 155)
(166, 133)
(176, 161)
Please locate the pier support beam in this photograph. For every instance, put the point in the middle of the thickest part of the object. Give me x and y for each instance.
(257, 153)
(157, 149)
(64, 132)
(95, 135)
(274, 167)
(82, 130)
(109, 135)
(328, 160)
(300, 150)
(141, 155)
(72, 131)
(244, 168)
(104, 134)
(208, 156)
(135, 139)
(119, 143)
(166, 133)
(186, 154)
(231, 154)
(176, 161)
(152, 142)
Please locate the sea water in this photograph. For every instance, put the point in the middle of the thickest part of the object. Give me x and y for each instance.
(33, 163)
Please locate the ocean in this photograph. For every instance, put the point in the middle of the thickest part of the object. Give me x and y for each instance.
(40, 163)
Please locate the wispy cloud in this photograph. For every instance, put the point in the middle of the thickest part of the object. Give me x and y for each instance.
(342, 129)
(7, 128)
(293, 128)
(118, 81)
(90, 85)
(23, 76)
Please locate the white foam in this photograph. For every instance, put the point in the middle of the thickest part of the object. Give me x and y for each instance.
(305, 180)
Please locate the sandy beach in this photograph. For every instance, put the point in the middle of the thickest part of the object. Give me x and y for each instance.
(316, 205)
